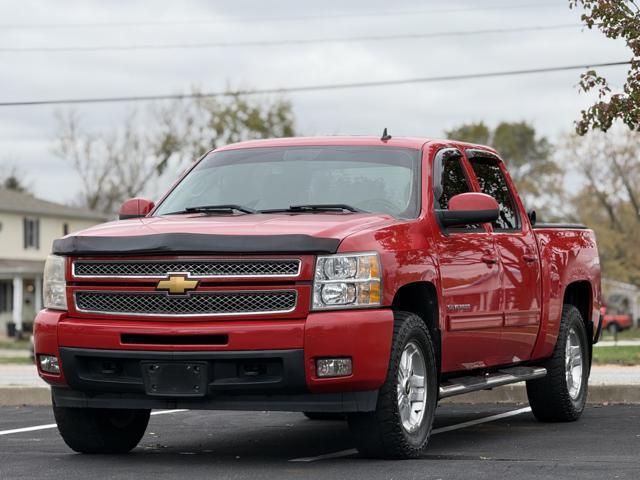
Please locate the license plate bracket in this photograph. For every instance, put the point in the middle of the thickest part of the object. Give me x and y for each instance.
(175, 379)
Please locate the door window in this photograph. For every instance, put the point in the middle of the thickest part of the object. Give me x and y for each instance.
(450, 180)
(493, 182)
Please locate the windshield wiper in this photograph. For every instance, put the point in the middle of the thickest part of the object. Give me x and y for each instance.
(330, 207)
(215, 209)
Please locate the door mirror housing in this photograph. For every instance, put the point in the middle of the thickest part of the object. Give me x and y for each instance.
(135, 208)
(469, 208)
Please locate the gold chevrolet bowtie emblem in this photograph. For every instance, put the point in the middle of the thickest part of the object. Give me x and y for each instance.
(177, 284)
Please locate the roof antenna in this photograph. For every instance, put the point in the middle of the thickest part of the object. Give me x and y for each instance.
(385, 135)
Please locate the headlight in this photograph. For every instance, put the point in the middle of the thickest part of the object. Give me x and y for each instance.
(347, 281)
(54, 285)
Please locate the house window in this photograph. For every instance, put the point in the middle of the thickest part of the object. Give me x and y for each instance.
(31, 233)
(6, 296)
(65, 229)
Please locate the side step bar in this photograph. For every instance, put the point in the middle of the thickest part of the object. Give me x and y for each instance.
(505, 376)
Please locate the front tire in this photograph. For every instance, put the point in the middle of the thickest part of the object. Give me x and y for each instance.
(562, 394)
(401, 424)
(101, 430)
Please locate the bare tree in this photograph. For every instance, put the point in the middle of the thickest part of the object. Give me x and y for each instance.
(112, 166)
(128, 160)
(608, 166)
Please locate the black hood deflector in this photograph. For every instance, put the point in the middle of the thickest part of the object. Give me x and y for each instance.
(193, 243)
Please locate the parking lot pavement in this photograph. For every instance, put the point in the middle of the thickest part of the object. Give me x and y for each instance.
(604, 444)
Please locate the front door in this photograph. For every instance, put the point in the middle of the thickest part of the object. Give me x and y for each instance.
(470, 274)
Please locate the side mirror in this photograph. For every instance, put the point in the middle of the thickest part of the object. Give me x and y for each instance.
(469, 208)
(135, 208)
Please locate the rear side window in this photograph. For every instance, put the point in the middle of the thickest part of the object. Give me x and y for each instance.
(493, 182)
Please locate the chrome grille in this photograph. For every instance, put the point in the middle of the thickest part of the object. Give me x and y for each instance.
(193, 304)
(196, 268)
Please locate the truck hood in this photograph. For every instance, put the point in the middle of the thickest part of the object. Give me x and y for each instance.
(198, 233)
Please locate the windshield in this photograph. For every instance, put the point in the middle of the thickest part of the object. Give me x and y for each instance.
(372, 179)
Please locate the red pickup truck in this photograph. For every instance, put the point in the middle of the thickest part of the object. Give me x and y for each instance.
(369, 277)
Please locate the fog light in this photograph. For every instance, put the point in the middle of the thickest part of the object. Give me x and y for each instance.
(333, 367)
(49, 364)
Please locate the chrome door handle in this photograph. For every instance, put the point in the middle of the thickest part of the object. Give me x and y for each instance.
(529, 257)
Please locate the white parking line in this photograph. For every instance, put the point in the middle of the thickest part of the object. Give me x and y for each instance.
(53, 425)
(27, 429)
(457, 426)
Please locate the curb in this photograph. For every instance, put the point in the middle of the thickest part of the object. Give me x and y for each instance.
(32, 396)
(598, 394)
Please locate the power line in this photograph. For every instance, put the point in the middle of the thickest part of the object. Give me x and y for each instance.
(193, 21)
(271, 43)
(311, 88)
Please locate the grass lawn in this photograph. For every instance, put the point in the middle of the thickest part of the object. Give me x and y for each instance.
(9, 344)
(616, 355)
(15, 361)
(633, 333)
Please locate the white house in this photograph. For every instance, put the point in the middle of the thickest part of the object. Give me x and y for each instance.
(28, 226)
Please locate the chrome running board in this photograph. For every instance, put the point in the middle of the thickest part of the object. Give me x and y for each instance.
(505, 376)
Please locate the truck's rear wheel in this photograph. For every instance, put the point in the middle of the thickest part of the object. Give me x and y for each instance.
(101, 430)
(401, 424)
(562, 394)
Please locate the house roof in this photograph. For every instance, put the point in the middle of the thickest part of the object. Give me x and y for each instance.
(17, 202)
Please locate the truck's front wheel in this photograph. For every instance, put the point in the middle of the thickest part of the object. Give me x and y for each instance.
(101, 430)
(562, 394)
(401, 424)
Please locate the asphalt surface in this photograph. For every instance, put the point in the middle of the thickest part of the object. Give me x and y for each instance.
(604, 444)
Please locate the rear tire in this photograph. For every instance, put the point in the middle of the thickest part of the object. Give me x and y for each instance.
(101, 430)
(562, 394)
(401, 424)
(613, 328)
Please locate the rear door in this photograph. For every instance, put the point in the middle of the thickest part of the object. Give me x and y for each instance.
(470, 276)
(516, 244)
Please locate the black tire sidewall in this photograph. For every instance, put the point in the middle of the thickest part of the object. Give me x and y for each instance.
(417, 334)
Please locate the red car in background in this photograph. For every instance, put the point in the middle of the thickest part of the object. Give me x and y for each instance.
(615, 323)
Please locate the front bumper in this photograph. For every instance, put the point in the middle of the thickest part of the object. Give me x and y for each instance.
(101, 367)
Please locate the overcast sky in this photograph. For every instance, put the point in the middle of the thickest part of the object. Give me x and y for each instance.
(550, 101)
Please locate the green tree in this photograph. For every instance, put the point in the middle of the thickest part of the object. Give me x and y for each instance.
(528, 157)
(619, 19)
(189, 128)
(130, 159)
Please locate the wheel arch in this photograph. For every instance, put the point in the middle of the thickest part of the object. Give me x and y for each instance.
(579, 295)
(421, 298)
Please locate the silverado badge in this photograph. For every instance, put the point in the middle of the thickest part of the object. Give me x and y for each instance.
(177, 284)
